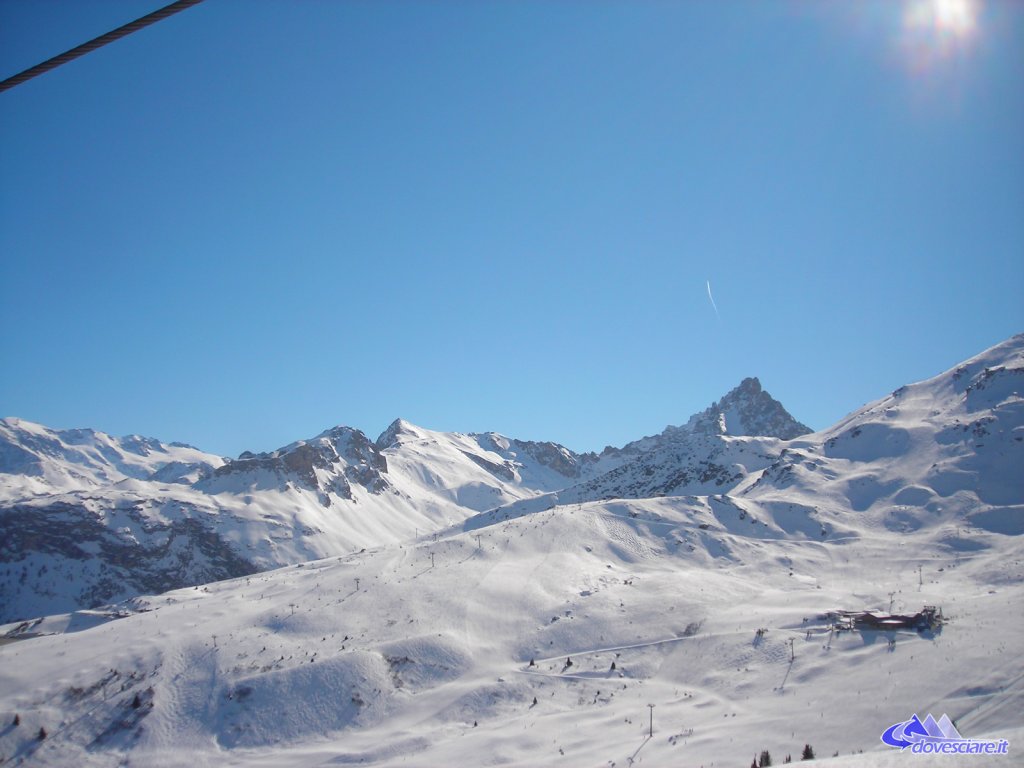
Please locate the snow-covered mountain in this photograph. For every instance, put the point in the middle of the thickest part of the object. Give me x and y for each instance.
(37, 461)
(717, 449)
(948, 452)
(87, 518)
(748, 410)
(533, 621)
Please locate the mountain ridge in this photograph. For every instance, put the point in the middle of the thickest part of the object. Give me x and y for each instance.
(340, 491)
(337, 492)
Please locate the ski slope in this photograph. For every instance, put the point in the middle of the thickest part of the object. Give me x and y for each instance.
(420, 653)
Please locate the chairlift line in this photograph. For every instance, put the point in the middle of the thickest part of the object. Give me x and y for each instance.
(98, 42)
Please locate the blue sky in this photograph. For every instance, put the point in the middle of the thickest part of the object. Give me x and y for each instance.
(253, 221)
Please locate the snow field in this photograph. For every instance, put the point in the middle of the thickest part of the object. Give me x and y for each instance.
(430, 664)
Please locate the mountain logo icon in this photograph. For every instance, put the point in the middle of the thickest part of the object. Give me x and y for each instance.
(905, 734)
(931, 736)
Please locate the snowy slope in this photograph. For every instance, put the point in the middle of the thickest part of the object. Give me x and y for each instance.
(420, 654)
(334, 493)
(90, 519)
(945, 451)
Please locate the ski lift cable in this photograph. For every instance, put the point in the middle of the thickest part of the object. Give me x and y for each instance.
(98, 42)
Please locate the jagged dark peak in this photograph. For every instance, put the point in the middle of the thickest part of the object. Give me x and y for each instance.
(329, 441)
(747, 410)
(393, 434)
(330, 445)
(342, 454)
(339, 432)
(346, 441)
(751, 384)
(299, 456)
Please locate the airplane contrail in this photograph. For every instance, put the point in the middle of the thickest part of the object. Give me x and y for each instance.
(712, 298)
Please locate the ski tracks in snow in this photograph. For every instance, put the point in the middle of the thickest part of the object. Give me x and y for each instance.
(185, 697)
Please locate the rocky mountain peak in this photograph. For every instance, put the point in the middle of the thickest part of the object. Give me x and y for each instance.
(343, 455)
(748, 410)
(751, 385)
(390, 437)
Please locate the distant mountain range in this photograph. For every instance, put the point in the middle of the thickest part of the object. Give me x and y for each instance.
(87, 518)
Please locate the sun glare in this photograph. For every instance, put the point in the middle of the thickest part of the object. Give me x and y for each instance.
(956, 18)
(938, 29)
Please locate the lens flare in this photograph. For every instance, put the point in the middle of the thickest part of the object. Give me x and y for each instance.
(957, 18)
(934, 30)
